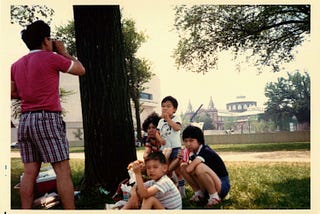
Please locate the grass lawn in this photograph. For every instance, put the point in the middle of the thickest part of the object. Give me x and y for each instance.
(261, 147)
(262, 185)
(268, 185)
(255, 185)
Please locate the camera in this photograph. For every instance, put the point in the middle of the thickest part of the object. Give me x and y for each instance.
(54, 47)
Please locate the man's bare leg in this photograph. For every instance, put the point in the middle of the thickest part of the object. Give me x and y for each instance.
(30, 173)
(64, 183)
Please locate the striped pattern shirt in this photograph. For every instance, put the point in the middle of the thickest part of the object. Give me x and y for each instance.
(168, 195)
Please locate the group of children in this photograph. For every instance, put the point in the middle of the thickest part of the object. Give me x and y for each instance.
(197, 164)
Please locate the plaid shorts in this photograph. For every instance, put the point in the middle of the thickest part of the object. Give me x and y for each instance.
(42, 137)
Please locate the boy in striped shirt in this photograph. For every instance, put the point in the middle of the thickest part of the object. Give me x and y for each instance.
(159, 192)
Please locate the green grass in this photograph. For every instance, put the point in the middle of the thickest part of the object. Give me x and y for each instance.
(261, 147)
(77, 166)
(265, 186)
(255, 185)
(277, 185)
(79, 149)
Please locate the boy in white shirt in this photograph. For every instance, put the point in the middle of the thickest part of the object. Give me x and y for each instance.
(169, 128)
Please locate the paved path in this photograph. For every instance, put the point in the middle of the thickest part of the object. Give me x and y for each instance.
(285, 156)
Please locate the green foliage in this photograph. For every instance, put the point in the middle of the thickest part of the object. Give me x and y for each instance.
(15, 108)
(26, 14)
(206, 119)
(269, 33)
(66, 33)
(132, 38)
(289, 97)
(138, 69)
(229, 123)
(16, 103)
(78, 134)
(262, 126)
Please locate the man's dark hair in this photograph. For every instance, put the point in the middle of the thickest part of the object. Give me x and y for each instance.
(193, 132)
(158, 156)
(35, 33)
(172, 100)
(152, 118)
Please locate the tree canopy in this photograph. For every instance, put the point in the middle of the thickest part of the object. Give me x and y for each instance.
(26, 14)
(66, 34)
(289, 97)
(138, 69)
(267, 34)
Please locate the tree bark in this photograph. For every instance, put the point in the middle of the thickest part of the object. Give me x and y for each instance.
(106, 111)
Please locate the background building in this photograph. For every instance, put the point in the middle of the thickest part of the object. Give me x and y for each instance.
(241, 104)
(237, 117)
(149, 99)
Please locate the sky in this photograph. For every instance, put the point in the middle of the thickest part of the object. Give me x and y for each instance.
(155, 20)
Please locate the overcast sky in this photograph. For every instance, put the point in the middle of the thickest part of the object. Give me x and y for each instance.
(156, 20)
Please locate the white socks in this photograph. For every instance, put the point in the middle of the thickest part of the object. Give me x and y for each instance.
(200, 193)
(214, 195)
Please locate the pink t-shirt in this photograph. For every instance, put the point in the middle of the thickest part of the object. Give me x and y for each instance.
(36, 76)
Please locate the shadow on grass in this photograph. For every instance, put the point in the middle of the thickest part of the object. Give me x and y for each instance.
(292, 193)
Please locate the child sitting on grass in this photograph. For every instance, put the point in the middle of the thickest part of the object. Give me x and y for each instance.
(205, 171)
(157, 193)
(150, 127)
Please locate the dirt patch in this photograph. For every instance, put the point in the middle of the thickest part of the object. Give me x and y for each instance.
(286, 156)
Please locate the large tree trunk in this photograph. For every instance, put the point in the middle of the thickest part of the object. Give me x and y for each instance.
(106, 112)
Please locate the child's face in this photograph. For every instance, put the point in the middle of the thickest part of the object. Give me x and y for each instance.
(152, 130)
(191, 144)
(168, 108)
(155, 169)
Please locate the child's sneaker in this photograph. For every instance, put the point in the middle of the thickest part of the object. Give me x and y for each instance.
(196, 198)
(212, 202)
(182, 191)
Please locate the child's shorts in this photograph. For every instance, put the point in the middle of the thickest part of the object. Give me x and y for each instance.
(225, 186)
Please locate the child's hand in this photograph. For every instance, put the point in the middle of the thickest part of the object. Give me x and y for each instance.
(136, 161)
(180, 154)
(152, 133)
(165, 116)
(136, 166)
